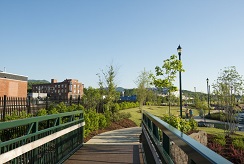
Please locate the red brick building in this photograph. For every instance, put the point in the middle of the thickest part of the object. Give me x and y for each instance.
(13, 85)
(60, 90)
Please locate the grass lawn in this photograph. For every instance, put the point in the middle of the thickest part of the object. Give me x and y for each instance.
(155, 110)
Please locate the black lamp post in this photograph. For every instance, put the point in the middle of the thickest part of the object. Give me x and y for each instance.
(179, 53)
(208, 96)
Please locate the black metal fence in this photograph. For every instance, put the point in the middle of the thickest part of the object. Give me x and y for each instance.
(10, 105)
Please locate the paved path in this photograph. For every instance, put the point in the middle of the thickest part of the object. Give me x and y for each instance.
(121, 136)
(200, 119)
(119, 147)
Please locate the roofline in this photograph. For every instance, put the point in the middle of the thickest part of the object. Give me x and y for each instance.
(13, 74)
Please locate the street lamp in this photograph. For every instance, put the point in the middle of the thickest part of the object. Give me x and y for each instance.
(208, 96)
(179, 53)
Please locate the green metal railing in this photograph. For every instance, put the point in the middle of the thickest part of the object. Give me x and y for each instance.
(44, 139)
(158, 138)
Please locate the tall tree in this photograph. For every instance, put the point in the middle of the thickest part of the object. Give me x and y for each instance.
(166, 74)
(143, 83)
(228, 85)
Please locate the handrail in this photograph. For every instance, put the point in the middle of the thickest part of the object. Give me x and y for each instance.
(196, 152)
(13, 123)
(38, 138)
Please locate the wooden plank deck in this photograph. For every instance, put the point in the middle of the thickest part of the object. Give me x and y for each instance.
(117, 147)
(104, 154)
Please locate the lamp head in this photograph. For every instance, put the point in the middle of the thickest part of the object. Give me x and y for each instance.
(179, 49)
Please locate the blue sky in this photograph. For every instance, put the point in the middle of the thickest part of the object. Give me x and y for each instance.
(77, 38)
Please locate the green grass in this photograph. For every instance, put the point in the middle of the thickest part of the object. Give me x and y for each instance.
(155, 110)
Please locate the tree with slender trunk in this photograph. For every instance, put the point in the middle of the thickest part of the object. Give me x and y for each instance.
(143, 84)
(168, 71)
(228, 85)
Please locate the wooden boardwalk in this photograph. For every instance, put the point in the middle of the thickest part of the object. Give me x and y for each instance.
(117, 147)
(103, 154)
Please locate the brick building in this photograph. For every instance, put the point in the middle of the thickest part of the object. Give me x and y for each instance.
(60, 90)
(13, 85)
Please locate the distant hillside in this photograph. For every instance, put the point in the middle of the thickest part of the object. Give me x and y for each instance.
(120, 89)
(31, 82)
(38, 81)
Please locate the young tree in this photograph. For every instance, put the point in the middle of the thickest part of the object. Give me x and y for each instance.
(168, 71)
(143, 83)
(228, 85)
(108, 88)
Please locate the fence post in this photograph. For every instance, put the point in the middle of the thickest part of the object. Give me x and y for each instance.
(4, 106)
(28, 104)
(70, 100)
(79, 100)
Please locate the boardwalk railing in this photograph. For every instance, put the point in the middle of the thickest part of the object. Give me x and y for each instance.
(44, 139)
(158, 138)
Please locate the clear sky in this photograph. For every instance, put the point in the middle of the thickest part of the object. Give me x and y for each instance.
(77, 38)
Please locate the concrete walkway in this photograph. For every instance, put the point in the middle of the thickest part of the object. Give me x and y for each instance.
(126, 136)
(119, 146)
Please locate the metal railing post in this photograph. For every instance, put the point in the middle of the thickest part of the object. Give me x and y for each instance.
(166, 142)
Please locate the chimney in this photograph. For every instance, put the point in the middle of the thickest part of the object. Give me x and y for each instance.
(53, 81)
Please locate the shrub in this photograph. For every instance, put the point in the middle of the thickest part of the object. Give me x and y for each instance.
(41, 112)
(102, 121)
(15, 115)
(220, 140)
(94, 121)
(180, 123)
(238, 143)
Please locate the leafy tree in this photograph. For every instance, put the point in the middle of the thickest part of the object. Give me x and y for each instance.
(228, 85)
(143, 83)
(91, 98)
(130, 92)
(168, 71)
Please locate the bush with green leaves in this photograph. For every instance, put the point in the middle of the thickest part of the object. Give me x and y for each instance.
(41, 112)
(94, 121)
(181, 124)
(238, 143)
(15, 115)
(220, 139)
(127, 105)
